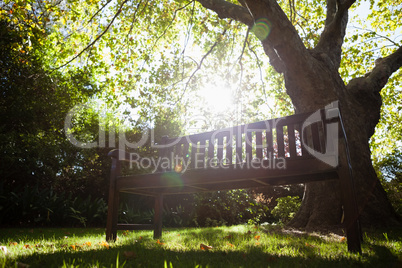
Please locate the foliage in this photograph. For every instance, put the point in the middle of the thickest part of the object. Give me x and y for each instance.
(32, 206)
(389, 170)
(34, 150)
(128, 214)
(214, 208)
(286, 208)
(236, 246)
(228, 208)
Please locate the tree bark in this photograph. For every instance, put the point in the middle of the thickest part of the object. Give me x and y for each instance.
(312, 81)
(321, 205)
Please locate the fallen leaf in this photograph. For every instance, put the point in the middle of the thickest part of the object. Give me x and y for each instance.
(343, 239)
(13, 244)
(159, 242)
(26, 246)
(104, 244)
(73, 247)
(205, 247)
(229, 244)
(257, 237)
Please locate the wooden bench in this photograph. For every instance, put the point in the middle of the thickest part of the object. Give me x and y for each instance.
(290, 150)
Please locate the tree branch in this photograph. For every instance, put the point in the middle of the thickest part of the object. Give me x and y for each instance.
(331, 11)
(346, 4)
(170, 24)
(226, 10)
(283, 44)
(261, 77)
(378, 77)
(199, 65)
(331, 39)
(96, 39)
(98, 11)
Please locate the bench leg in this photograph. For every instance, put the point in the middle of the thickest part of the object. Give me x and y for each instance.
(351, 211)
(113, 204)
(158, 216)
(112, 215)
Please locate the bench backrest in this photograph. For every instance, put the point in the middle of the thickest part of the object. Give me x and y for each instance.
(294, 136)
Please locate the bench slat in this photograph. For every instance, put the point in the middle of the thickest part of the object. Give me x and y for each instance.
(229, 149)
(194, 151)
(211, 154)
(270, 144)
(201, 155)
(239, 150)
(219, 154)
(280, 140)
(292, 141)
(249, 148)
(258, 144)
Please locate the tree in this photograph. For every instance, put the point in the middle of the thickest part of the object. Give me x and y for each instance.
(34, 102)
(310, 48)
(312, 80)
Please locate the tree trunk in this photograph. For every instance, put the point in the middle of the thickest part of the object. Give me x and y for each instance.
(321, 206)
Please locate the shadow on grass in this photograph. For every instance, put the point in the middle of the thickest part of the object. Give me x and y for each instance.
(47, 233)
(145, 257)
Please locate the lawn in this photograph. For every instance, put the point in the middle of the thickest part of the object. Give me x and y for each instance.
(235, 246)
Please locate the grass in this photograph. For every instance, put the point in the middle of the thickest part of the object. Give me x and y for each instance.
(235, 246)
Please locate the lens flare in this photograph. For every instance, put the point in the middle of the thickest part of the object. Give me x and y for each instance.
(262, 28)
(172, 179)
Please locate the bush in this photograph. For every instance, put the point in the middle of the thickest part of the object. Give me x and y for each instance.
(228, 208)
(32, 206)
(286, 208)
(389, 170)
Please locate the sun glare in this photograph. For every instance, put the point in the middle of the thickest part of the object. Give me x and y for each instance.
(218, 96)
